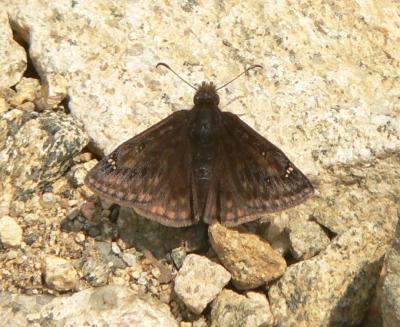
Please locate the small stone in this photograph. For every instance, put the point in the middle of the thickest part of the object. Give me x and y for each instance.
(3, 105)
(232, 309)
(59, 274)
(48, 200)
(10, 232)
(77, 175)
(307, 238)
(27, 90)
(12, 254)
(96, 272)
(80, 238)
(84, 157)
(130, 259)
(136, 274)
(185, 324)
(198, 281)
(178, 255)
(115, 248)
(31, 238)
(142, 280)
(250, 259)
(156, 272)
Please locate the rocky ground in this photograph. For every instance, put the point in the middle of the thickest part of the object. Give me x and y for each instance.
(78, 79)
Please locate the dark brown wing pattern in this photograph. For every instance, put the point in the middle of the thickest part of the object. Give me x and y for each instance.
(150, 173)
(255, 176)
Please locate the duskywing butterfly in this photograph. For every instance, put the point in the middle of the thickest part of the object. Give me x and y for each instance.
(200, 164)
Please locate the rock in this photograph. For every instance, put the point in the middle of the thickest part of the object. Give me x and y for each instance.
(59, 274)
(306, 238)
(77, 174)
(3, 105)
(144, 234)
(334, 287)
(178, 255)
(28, 90)
(53, 91)
(109, 305)
(391, 284)
(48, 200)
(198, 282)
(36, 148)
(96, 271)
(12, 55)
(230, 309)
(251, 260)
(10, 232)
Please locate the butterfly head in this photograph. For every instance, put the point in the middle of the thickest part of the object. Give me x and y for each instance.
(206, 94)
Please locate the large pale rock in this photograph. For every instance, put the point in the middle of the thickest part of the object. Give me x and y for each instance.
(391, 285)
(230, 309)
(35, 148)
(12, 55)
(109, 305)
(314, 97)
(334, 287)
(199, 281)
(251, 260)
(10, 232)
(328, 95)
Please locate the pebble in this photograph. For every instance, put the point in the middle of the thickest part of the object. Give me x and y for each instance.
(59, 274)
(115, 248)
(47, 200)
(178, 255)
(10, 232)
(199, 281)
(130, 259)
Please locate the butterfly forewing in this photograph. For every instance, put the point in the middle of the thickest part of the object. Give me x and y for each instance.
(257, 177)
(150, 173)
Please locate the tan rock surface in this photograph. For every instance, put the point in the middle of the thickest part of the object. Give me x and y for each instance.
(334, 287)
(250, 259)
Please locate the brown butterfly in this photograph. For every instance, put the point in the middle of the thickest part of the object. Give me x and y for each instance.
(200, 164)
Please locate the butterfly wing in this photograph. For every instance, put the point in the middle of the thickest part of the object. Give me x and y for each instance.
(150, 173)
(256, 177)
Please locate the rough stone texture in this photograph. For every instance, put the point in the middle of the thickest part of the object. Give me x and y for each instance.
(10, 232)
(391, 284)
(198, 281)
(59, 274)
(306, 238)
(12, 55)
(27, 90)
(104, 306)
(251, 260)
(317, 98)
(334, 287)
(35, 149)
(230, 309)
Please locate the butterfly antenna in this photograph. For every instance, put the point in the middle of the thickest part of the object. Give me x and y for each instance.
(250, 68)
(176, 74)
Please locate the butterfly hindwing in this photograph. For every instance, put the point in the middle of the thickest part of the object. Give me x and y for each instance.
(150, 173)
(257, 177)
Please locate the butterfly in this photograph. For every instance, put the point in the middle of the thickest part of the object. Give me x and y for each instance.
(202, 164)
